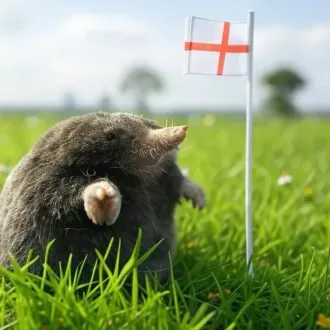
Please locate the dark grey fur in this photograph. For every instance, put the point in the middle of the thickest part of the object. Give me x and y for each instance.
(42, 197)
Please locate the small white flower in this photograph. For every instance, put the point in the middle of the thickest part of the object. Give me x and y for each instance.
(284, 179)
(185, 171)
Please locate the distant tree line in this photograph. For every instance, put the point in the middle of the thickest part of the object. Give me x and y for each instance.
(140, 82)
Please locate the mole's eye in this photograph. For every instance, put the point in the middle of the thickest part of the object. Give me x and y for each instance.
(110, 136)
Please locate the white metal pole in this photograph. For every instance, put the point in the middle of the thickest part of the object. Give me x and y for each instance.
(248, 147)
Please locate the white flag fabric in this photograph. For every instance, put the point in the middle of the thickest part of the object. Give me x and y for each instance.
(216, 47)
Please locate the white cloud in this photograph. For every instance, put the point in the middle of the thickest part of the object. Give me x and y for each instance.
(85, 25)
(11, 16)
(89, 53)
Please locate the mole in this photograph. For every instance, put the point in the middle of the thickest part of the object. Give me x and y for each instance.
(91, 178)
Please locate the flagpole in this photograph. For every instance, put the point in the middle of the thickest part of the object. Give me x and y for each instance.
(248, 147)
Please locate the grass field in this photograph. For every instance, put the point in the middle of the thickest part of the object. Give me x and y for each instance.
(209, 288)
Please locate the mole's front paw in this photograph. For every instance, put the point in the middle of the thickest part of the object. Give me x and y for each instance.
(102, 202)
(193, 192)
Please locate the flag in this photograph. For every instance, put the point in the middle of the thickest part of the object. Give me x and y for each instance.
(215, 47)
(224, 48)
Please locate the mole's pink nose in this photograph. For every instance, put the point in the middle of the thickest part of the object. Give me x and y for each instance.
(180, 132)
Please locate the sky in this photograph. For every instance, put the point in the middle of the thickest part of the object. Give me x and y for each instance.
(48, 48)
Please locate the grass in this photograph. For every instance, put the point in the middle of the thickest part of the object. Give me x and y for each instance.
(209, 287)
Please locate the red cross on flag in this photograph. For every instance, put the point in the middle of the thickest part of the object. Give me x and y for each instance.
(226, 49)
(216, 47)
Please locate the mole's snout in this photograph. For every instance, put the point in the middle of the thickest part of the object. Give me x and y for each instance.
(180, 132)
(169, 136)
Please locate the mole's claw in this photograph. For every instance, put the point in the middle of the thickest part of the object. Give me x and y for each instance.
(102, 202)
(193, 192)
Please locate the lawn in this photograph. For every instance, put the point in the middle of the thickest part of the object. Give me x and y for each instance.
(209, 287)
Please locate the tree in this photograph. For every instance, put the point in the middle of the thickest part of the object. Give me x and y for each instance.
(69, 101)
(141, 82)
(283, 83)
(104, 103)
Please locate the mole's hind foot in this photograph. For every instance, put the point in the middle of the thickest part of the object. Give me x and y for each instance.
(102, 202)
